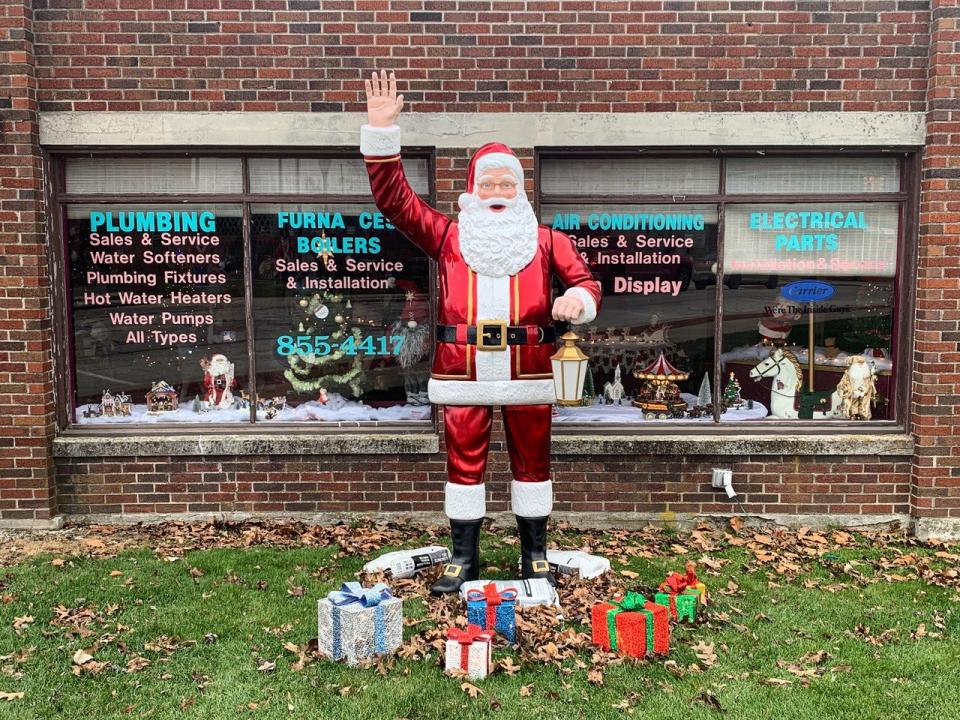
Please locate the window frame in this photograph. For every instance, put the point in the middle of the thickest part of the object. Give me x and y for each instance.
(907, 198)
(57, 200)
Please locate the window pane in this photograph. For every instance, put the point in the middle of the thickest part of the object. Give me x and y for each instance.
(158, 321)
(629, 176)
(657, 300)
(342, 314)
(852, 332)
(153, 175)
(333, 176)
(813, 175)
(830, 240)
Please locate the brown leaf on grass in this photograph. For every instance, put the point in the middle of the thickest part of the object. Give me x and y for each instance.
(82, 657)
(705, 653)
(526, 690)
(296, 591)
(8, 696)
(710, 700)
(57, 562)
(508, 666)
(776, 682)
(630, 574)
(136, 664)
(266, 666)
(116, 573)
(595, 677)
(471, 690)
(20, 623)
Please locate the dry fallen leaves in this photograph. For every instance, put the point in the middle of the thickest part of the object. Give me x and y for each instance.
(8, 696)
(471, 690)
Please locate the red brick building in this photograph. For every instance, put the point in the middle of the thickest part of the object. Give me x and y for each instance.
(181, 181)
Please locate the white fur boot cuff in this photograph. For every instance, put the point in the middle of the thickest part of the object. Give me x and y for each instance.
(531, 499)
(465, 502)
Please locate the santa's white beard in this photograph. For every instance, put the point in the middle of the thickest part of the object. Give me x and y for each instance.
(497, 243)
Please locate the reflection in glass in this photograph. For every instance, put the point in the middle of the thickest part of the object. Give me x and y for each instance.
(342, 314)
(157, 313)
(656, 265)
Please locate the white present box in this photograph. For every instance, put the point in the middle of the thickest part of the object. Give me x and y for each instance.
(469, 650)
(354, 629)
(573, 562)
(406, 563)
(535, 591)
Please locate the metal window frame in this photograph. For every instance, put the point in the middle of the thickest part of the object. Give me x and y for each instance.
(57, 200)
(908, 201)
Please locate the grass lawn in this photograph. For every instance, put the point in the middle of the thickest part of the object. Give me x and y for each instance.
(210, 622)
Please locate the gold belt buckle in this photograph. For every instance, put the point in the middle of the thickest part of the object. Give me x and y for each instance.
(539, 566)
(491, 335)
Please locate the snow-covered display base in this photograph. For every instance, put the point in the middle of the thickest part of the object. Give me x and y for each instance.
(626, 413)
(760, 352)
(337, 409)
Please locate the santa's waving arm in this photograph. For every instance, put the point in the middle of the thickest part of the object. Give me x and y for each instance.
(380, 145)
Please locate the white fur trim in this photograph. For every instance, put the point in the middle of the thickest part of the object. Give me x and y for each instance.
(493, 303)
(379, 141)
(589, 312)
(531, 499)
(500, 392)
(493, 161)
(465, 502)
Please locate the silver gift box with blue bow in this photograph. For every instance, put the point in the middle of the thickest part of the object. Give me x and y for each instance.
(355, 623)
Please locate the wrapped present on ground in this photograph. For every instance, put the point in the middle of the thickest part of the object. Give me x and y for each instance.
(682, 594)
(356, 622)
(494, 609)
(633, 626)
(469, 650)
(406, 563)
(577, 562)
(535, 591)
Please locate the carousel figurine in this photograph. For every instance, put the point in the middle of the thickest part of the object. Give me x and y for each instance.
(660, 397)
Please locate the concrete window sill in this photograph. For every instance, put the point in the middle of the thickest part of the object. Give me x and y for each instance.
(248, 444)
(892, 444)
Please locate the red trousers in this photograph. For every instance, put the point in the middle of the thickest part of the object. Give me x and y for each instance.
(467, 434)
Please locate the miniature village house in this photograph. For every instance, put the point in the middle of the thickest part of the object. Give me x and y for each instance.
(161, 398)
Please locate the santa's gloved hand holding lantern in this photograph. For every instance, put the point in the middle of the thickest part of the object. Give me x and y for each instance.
(494, 333)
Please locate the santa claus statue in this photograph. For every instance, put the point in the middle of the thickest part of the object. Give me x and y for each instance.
(494, 333)
(218, 381)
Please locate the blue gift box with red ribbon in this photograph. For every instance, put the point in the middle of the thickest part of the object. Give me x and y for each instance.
(493, 609)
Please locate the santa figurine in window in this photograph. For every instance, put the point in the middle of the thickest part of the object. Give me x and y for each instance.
(494, 333)
(218, 381)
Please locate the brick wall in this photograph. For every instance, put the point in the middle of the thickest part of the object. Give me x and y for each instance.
(936, 401)
(483, 55)
(26, 369)
(487, 56)
(603, 483)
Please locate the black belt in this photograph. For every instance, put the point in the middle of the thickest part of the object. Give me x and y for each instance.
(495, 335)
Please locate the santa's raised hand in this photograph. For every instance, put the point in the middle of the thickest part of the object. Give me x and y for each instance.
(383, 103)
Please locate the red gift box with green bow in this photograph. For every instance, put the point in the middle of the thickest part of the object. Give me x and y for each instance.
(633, 626)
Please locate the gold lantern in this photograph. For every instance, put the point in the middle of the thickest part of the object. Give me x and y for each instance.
(569, 371)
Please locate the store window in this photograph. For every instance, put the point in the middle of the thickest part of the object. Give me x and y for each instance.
(191, 299)
(803, 325)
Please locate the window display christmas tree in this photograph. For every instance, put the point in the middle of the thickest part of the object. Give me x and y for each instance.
(705, 396)
(731, 393)
(327, 317)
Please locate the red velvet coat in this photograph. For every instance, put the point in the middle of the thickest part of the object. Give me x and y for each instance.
(530, 290)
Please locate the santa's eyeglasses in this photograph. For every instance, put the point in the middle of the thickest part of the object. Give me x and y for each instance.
(505, 185)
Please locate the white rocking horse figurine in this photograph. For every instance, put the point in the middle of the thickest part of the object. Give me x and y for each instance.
(614, 391)
(784, 369)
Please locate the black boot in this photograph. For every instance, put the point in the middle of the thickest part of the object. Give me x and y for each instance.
(465, 561)
(533, 549)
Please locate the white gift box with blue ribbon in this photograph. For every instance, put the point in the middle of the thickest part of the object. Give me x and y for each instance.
(354, 623)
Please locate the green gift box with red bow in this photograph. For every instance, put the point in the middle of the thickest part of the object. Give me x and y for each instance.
(633, 626)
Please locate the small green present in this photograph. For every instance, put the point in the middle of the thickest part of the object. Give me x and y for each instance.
(683, 605)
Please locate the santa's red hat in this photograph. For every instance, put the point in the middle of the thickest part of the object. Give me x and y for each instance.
(489, 157)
